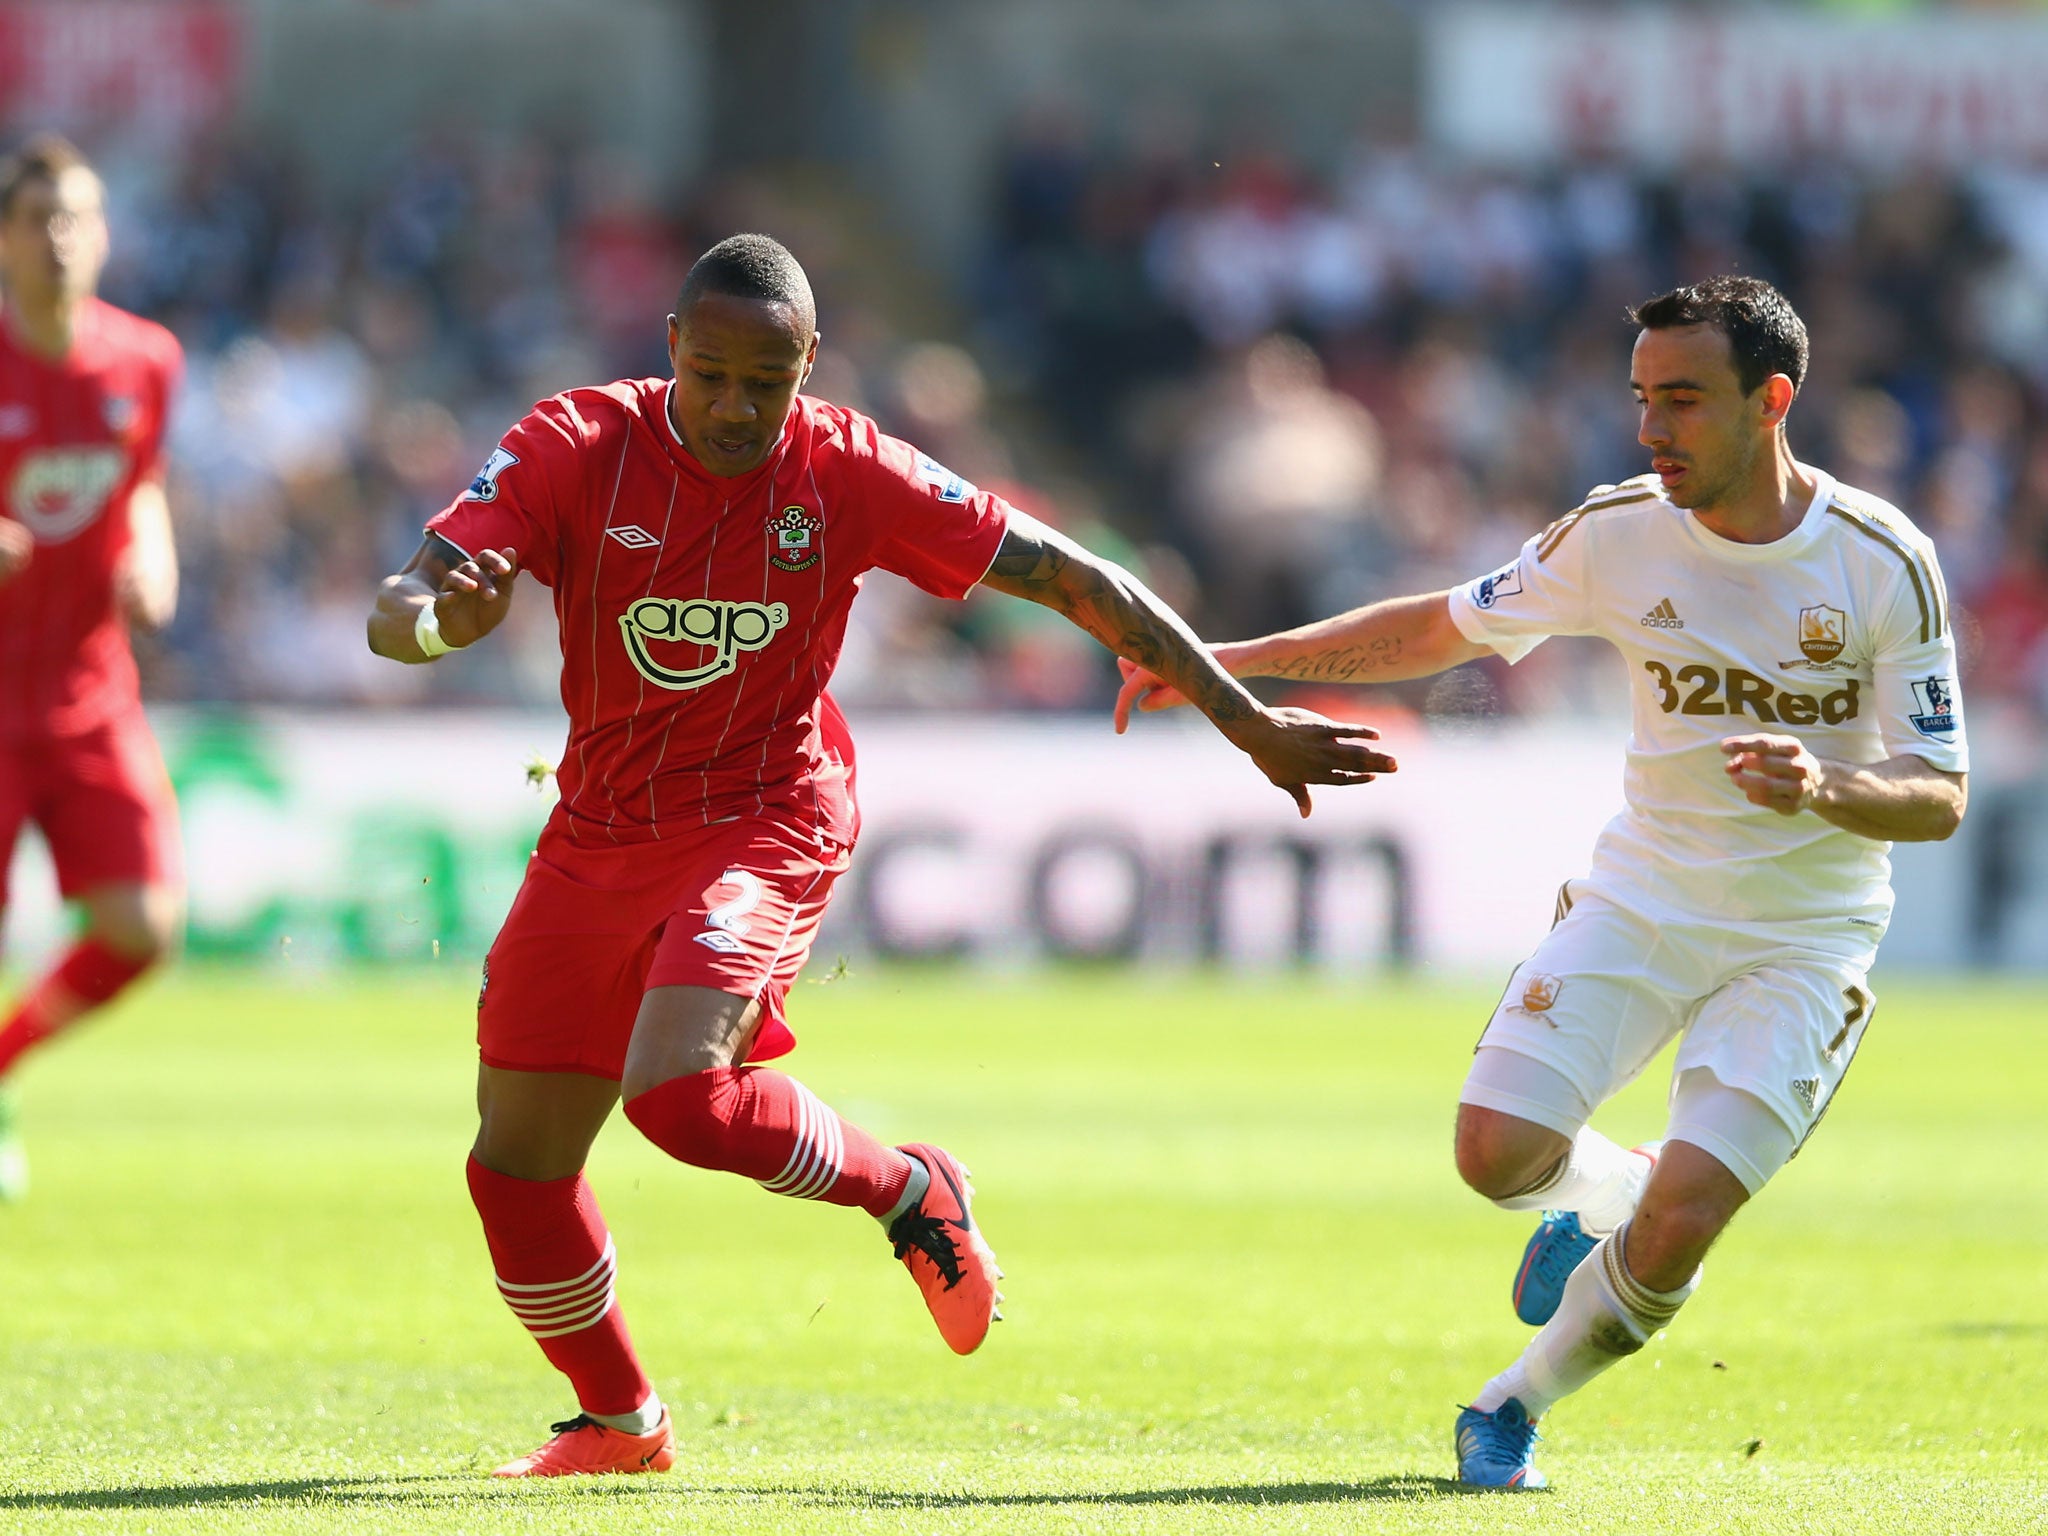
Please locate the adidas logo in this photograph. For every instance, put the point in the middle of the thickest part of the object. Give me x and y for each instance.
(1663, 616)
(1808, 1089)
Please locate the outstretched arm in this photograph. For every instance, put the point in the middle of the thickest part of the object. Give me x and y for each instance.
(468, 598)
(1386, 642)
(1292, 747)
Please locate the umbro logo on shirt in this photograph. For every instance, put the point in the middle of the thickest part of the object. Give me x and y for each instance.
(632, 535)
(1663, 616)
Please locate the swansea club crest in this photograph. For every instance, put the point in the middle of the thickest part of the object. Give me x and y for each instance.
(1821, 632)
(795, 539)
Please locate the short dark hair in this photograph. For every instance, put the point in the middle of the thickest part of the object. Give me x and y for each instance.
(751, 267)
(1764, 332)
(44, 157)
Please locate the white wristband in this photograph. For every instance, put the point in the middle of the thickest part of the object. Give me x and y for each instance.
(426, 633)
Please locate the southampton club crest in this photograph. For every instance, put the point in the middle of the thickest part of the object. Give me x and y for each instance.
(795, 539)
(1821, 632)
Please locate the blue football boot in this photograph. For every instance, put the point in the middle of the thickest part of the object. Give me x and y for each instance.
(1495, 1449)
(1553, 1253)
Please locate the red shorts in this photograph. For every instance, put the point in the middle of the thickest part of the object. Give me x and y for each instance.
(733, 907)
(102, 800)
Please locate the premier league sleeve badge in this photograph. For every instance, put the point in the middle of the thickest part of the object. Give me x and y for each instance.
(1934, 708)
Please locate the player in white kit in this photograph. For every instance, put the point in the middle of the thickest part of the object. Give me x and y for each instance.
(1795, 713)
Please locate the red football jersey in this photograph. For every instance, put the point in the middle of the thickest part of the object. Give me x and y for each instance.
(700, 616)
(76, 438)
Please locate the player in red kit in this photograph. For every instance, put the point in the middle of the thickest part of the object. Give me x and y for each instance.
(704, 539)
(85, 552)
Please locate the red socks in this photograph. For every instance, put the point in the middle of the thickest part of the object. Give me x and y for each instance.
(554, 1262)
(89, 975)
(770, 1128)
(553, 1255)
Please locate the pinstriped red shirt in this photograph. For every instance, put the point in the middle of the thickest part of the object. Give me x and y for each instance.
(701, 617)
(76, 438)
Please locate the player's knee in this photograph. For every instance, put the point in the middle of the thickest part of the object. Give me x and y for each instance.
(1498, 1159)
(685, 1032)
(538, 1126)
(143, 927)
(644, 1072)
(147, 943)
(688, 1117)
(514, 1156)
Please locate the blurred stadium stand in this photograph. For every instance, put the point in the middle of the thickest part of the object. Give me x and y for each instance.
(1255, 297)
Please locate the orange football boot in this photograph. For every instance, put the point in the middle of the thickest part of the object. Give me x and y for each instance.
(946, 1254)
(583, 1445)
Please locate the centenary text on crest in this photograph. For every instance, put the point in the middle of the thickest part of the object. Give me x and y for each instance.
(1821, 629)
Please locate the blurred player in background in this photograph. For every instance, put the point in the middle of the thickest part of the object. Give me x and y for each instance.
(1795, 714)
(85, 553)
(705, 539)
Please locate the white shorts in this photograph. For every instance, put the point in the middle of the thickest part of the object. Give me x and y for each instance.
(1607, 990)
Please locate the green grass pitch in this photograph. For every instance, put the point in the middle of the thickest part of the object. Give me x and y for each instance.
(1246, 1289)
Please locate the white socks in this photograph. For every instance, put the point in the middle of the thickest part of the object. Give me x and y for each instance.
(1605, 1316)
(913, 1191)
(641, 1421)
(1599, 1179)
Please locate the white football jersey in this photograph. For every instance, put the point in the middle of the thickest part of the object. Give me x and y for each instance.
(1837, 633)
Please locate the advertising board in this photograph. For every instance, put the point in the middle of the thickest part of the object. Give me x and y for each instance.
(315, 839)
(168, 66)
(1669, 85)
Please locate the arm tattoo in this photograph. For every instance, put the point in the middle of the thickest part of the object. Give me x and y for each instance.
(1027, 560)
(1345, 664)
(1115, 607)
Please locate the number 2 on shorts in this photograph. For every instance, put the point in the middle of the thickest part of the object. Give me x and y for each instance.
(726, 925)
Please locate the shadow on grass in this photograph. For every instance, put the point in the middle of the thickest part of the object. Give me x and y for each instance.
(301, 1490)
(173, 1496)
(455, 1488)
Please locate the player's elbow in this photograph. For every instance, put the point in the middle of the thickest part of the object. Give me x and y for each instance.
(162, 607)
(380, 639)
(377, 627)
(1948, 816)
(1940, 814)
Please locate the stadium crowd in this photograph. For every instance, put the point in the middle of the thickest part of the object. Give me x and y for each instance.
(1276, 389)
(1329, 387)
